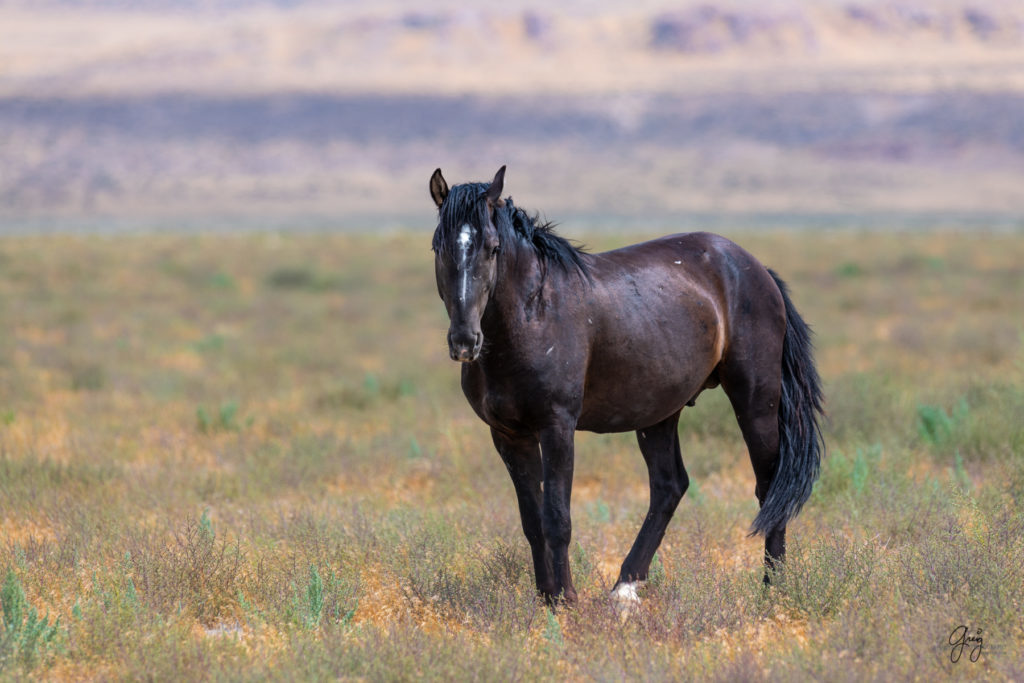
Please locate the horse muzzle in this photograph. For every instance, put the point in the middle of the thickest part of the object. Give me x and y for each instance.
(464, 345)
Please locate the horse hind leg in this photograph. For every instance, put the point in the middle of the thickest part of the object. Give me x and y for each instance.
(754, 389)
(668, 482)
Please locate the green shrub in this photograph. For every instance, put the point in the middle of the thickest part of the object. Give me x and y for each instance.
(818, 580)
(26, 639)
(226, 419)
(937, 427)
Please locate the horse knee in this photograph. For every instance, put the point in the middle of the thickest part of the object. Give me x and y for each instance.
(535, 537)
(557, 530)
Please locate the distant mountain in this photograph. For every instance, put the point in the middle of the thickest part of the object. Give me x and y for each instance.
(354, 160)
(102, 46)
(321, 113)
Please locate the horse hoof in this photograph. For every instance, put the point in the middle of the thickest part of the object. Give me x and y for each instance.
(625, 599)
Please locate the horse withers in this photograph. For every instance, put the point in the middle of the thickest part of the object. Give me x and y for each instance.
(553, 340)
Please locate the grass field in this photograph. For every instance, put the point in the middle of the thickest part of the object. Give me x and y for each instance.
(247, 457)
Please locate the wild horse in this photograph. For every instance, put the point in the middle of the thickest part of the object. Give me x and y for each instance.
(554, 340)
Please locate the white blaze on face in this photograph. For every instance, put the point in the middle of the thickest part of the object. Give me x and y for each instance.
(465, 237)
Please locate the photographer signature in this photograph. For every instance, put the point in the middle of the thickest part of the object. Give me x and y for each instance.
(960, 639)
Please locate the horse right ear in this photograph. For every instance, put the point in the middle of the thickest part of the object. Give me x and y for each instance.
(438, 188)
(494, 191)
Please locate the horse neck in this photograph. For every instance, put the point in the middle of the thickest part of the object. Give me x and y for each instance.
(522, 291)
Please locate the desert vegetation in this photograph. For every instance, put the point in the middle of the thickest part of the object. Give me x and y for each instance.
(247, 456)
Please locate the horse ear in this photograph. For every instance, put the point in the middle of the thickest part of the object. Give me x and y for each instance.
(494, 191)
(438, 188)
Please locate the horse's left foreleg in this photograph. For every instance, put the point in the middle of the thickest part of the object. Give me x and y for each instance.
(556, 444)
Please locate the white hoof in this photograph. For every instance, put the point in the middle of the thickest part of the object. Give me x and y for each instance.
(625, 599)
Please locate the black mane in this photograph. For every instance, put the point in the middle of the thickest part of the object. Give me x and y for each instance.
(465, 204)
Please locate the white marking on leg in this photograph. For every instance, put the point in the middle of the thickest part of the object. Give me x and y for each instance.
(626, 591)
(625, 599)
(465, 237)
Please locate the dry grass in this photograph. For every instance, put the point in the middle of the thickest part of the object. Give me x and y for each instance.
(192, 427)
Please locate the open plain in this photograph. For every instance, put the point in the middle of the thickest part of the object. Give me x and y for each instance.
(247, 456)
(232, 446)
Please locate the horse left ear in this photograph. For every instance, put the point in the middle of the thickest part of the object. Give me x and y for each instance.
(494, 191)
(438, 188)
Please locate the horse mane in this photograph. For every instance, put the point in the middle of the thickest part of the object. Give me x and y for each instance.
(465, 202)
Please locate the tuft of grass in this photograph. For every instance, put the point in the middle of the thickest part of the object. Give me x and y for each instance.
(960, 475)
(599, 511)
(209, 343)
(194, 573)
(222, 280)
(225, 420)
(846, 475)
(505, 564)
(819, 580)
(314, 598)
(553, 631)
(864, 464)
(938, 427)
(334, 598)
(372, 392)
(656, 572)
(582, 567)
(302, 278)
(27, 639)
(88, 377)
(849, 269)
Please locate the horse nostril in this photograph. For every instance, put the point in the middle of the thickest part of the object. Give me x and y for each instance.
(464, 345)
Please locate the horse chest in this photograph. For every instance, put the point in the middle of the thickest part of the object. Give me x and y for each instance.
(516, 401)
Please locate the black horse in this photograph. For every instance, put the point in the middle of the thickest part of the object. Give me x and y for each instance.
(553, 339)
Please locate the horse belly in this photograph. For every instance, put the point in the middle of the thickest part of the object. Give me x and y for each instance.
(631, 393)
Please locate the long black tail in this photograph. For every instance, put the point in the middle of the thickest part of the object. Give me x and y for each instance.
(800, 442)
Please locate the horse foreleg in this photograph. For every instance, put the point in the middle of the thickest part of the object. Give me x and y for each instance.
(668, 480)
(556, 444)
(521, 456)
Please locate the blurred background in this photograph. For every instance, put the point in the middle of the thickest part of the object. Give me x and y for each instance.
(309, 114)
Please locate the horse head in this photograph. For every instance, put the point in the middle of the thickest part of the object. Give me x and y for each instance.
(466, 245)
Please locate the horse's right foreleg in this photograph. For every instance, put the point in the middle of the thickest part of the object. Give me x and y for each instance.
(521, 456)
(556, 443)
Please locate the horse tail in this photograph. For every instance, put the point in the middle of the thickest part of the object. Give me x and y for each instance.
(801, 445)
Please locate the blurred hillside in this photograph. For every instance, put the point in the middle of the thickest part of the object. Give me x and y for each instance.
(191, 112)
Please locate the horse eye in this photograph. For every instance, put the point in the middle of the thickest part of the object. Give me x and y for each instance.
(494, 251)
